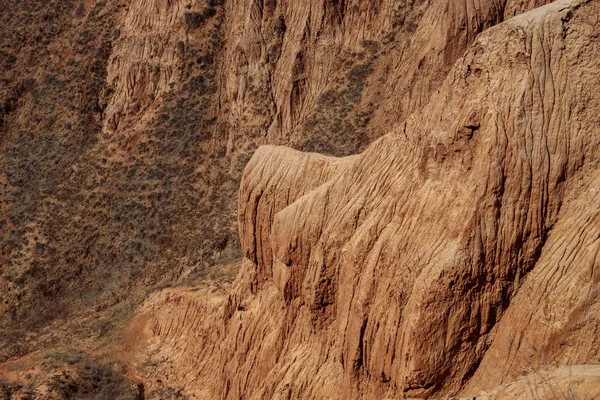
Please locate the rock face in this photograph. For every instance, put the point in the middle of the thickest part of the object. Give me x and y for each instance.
(125, 126)
(455, 254)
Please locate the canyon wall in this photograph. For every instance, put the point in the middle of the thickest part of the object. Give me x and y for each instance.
(405, 270)
(126, 126)
(453, 256)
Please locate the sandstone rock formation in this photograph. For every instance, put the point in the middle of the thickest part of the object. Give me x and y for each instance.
(125, 126)
(454, 255)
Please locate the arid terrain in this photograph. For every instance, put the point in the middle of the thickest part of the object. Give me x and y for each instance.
(276, 199)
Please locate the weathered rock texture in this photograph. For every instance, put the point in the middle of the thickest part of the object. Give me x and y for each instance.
(575, 382)
(457, 253)
(125, 126)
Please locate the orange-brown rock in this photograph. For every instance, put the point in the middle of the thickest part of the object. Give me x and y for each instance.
(454, 255)
(125, 126)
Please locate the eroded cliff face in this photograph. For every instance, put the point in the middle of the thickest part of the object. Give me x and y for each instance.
(336, 75)
(126, 125)
(454, 255)
(405, 270)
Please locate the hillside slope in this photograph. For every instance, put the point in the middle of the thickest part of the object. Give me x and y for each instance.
(456, 253)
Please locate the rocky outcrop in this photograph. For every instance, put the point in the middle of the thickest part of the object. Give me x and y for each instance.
(310, 73)
(144, 60)
(333, 76)
(455, 254)
(125, 126)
